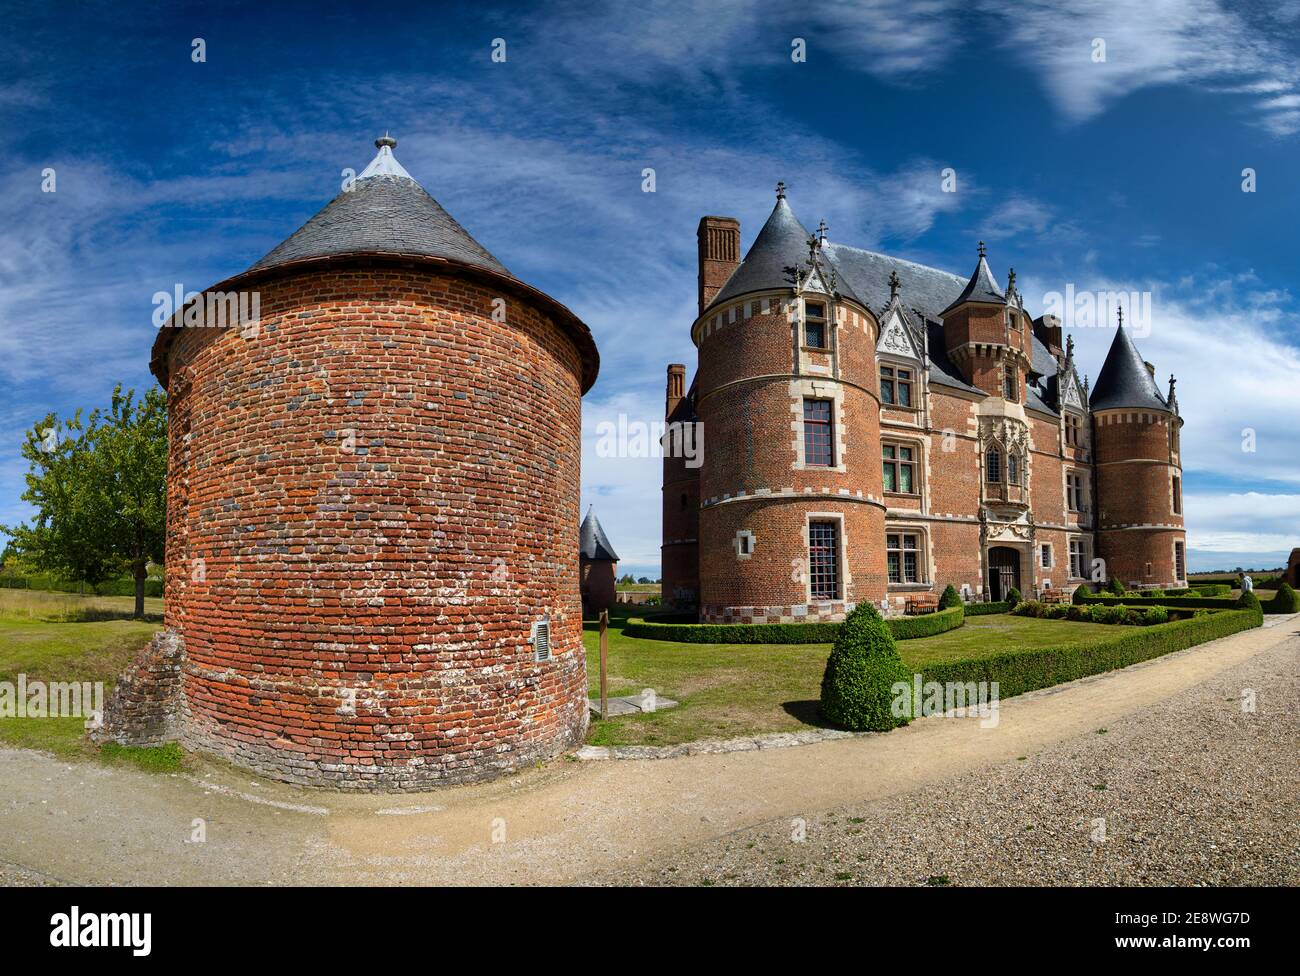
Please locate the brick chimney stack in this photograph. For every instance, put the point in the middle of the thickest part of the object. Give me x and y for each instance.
(719, 239)
(1047, 329)
(676, 387)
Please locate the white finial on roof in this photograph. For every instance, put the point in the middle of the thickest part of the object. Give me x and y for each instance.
(384, 163)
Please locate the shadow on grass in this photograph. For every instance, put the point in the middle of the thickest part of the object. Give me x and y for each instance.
(95, 615)
(808, 712)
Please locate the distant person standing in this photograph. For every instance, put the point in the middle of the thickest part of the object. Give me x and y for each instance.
(1247, 584)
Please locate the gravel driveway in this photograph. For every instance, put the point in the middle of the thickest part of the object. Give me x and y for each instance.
(1193, 791)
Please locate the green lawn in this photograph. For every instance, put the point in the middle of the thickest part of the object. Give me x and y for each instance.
(66, 637)
(733, 690)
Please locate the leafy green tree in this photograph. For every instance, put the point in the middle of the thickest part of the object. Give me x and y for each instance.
(99, 490)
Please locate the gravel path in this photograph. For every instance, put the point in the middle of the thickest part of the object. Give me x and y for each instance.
(1183, 769)
(1192, 791)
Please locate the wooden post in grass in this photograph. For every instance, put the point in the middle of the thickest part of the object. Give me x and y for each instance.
(604, 663)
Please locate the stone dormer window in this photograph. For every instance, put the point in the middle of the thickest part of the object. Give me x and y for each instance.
(896, 386)
(814, 326)
(1009, 385)
(1073, 430)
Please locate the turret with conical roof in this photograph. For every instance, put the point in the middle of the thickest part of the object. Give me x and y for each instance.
(785, 346)
(1140, 533)
(379, 479)
(596, 566)
(988, 335)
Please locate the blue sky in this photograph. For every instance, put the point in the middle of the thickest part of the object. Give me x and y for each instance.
(1117, 175)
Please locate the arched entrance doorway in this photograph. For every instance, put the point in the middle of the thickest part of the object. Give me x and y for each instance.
(1004, 571)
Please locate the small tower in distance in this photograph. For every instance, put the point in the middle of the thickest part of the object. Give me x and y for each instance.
(597, 563)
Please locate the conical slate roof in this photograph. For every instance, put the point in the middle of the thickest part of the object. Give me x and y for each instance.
(385, 216)
(384, 211)
(781, 244)
(1124, 380)
(982, 286)
(592, 543)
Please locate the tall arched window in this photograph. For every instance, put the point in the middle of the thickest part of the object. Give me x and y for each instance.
(993, 465)
(1013, 470)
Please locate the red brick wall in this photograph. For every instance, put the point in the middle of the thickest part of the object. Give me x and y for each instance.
(597, 584)
(370, 503)
(1136, 522)
(750, 480)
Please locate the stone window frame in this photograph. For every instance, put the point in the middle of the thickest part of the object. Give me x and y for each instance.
(1176, 492)
(824, 320)
(814, 431)
(1084, 557)
(1046, 549)
(1085, 493)
(1011, 381)
(1177, 543)
(744, 544)
(841, 560)
(894, 365)
(818, 388)
(1067, 416)
(918, 463)
(923, 559)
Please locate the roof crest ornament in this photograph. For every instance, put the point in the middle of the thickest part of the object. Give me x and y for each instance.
(780, 190)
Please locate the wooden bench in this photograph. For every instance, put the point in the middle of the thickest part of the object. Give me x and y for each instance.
(919, 603)
(1053, 596)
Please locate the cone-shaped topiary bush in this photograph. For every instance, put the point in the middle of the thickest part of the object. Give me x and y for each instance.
(951, 598)
(1080, 592)
(1249, 601)
(1115, 586)
(1013, 597)
(857, 688)
(1286, 600)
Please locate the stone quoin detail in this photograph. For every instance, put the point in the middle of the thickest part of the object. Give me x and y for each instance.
(372, 500)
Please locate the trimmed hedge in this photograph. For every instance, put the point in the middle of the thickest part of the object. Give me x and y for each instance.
(902, 628)
(928, 624)
(1102, 613)
(1189, 602)
(857, 687)
(117, 587)
(1286, 600)
(981, 609)
(951, 598)
(1021, 671)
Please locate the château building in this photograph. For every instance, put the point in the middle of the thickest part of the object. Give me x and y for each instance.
(877, 429)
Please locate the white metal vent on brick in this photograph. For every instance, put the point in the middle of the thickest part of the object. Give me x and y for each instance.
(541, 639)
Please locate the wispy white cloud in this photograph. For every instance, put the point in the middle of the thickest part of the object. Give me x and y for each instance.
(1198, 43)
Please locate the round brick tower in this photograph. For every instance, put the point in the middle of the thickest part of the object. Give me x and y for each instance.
(1139, 471)
(791, 512)
(372, 494)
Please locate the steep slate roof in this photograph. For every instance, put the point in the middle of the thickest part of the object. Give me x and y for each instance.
(592, 543)
(982, 287)
(928, 290)
(1124, 380)
(926, 294)
(942, 369)
(386, 216)
(384, 212)
(781, 244)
